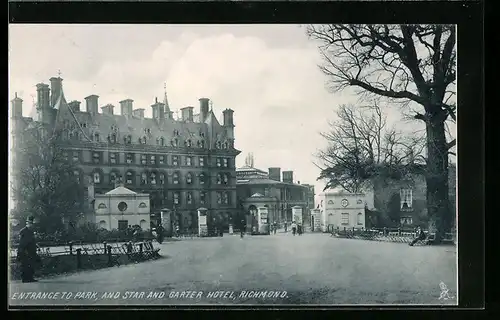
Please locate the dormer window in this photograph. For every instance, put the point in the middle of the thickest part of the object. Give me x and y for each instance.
(96, 137)
(202, 134)
(226, 145)
(188, 143)
(144, 140)
(218, 145)
(161, 141)
(189, 178)
(113, 138)
(175, 142)
(128, 139)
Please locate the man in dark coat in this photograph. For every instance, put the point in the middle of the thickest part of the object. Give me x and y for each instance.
(26, 252)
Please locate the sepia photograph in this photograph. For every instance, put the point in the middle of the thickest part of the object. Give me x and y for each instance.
(232, 164)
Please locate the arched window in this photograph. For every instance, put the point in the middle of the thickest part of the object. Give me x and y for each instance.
(143, 224)
(97, 177)
(330, 201)
(101, 206)
(142, 205)
(102, 224)
(202, 178)
(112, 178)
(144, 178)
(153, 178)
(130, 177)
(189, 178)
(360, 218)
(96, 137)
(175, 178)
(161, 141)
(128, 139)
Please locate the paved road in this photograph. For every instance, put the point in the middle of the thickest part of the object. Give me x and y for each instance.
(312, 269)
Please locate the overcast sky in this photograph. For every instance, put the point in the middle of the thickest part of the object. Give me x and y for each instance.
(266, 73)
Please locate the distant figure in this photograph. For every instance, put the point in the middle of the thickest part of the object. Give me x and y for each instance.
(419, 236)
(135, 235)
(294, 227)
(299, 229)
(275, 227)
(286, 226)
(177, 231)
(160, 235)
(242, 228)
(26, 252)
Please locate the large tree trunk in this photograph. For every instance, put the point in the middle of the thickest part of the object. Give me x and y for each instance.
(437, 179)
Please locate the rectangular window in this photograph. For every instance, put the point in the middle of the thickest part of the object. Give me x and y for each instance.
(96, 157)
(77, 175)
(175, 160)
(112, 158)
(143, 159)
(202, 161)
(406, 199)
(152, 160)
(188, 161)
(76, 156)
(162, 178)
(176, 198)
(97, 177)
(122, 224)
(225, 198)
(217, 161)
(360, 218)
(130, 158)
(189, 198)
(202, 197)
(226, 162)
(345, 219)
(161, 159)
(219, 197)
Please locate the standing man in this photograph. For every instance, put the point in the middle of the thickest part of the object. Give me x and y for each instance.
(242, 228)
(275, 227)
(286, 226)
(294, 227)
(26, 252)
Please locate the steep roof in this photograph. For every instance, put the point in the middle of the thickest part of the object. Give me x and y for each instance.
(120, 191)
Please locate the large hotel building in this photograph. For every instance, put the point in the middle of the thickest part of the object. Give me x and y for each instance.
(183, 163)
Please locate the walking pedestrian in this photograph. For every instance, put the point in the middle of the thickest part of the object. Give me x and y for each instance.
(294, 227)
(242, 228)
(299, 229)
(286, 226)
(275, 227)
(160, 235)
(26, 252)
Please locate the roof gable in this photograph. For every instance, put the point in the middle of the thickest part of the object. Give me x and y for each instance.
(121, 191)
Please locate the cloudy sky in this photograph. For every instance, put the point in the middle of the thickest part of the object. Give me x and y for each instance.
(266, 73)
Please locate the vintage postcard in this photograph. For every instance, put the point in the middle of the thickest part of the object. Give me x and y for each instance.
(240, 164)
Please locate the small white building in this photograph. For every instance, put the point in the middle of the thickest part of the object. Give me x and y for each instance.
(121, 207)
(342, 209)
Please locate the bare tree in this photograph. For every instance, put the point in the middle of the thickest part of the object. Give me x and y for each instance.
(362, 147)
(45, 183)
(409, 64)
